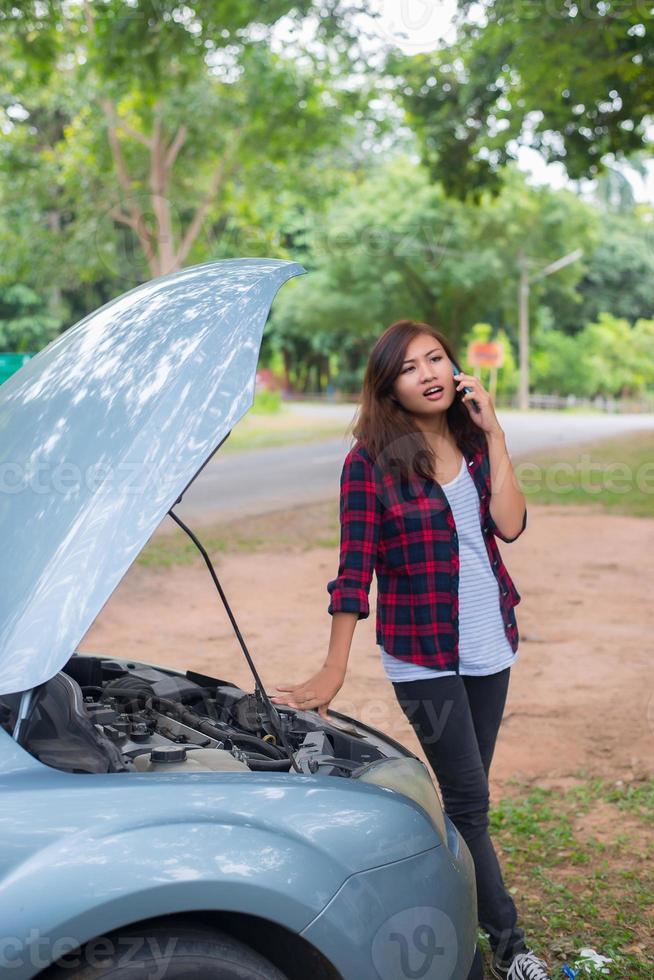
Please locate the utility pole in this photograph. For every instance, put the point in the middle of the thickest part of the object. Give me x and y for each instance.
(523, 313)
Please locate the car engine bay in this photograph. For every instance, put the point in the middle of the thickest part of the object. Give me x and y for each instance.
(104, 715)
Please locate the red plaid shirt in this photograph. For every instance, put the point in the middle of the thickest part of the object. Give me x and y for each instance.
(405, 532)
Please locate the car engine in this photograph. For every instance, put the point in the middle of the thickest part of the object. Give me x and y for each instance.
(106, 715)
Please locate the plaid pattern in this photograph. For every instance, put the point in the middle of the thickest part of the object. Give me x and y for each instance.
(404, 531)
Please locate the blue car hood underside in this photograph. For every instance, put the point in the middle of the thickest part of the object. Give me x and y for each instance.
(102, 431)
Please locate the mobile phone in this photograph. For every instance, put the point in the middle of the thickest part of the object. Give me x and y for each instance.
(457, 370)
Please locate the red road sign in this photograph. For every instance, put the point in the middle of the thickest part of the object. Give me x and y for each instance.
(486, 353)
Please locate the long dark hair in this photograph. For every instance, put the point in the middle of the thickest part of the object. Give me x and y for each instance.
(386, 430)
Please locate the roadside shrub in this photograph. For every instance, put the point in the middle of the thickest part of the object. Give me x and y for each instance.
(267, 402)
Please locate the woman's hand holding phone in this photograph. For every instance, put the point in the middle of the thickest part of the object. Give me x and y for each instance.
(477, 400)
(456, 371)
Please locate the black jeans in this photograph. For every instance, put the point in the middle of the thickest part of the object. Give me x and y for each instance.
(456, 719)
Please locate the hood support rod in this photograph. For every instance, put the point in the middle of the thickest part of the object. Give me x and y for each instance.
(273, 714)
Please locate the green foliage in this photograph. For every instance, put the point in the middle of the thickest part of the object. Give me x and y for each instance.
(276, 156)
(557, 367)
(481, 332)
(619, 356)
(614, 474)
(579, 871)
(153, 45)
(139, 137)
(25, 324)
(393, 246)
(619, 274)
(267, 403)
(574, 81)
(607, 357)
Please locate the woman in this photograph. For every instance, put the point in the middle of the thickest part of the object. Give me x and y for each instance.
(425, 491)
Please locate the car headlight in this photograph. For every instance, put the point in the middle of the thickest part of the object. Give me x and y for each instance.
(411, 778)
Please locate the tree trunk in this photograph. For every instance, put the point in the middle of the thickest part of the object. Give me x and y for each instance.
(286, 357)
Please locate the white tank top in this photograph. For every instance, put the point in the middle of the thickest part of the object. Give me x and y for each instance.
(483, 644)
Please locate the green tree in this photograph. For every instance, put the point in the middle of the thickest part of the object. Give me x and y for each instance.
(642, 338)
(393, 246)
(25, 323)
(617, 355)
(619, 271)
(558, 366)
(163, 120)
(608, 357)
(572, 80)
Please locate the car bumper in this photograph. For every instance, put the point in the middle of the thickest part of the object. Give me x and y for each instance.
(412, 918)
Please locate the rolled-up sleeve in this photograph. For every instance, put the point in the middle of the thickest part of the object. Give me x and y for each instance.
(360, 513)
(498, 534)
(489, 522)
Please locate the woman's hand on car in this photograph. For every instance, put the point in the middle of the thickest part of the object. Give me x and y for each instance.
(314, 693)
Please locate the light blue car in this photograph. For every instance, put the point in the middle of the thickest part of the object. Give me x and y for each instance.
(156, 823)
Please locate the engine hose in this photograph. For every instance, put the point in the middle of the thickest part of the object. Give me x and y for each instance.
(190, 718)
(207, 728)
(240, 738)
(259, 745)
(269, 764)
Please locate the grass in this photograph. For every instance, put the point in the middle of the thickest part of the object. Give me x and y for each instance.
(299, 529)
(614, 474)
(579, 866)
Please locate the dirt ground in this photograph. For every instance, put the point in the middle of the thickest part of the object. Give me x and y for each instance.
(580, 697)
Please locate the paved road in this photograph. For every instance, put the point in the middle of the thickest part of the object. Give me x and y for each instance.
(262, 480)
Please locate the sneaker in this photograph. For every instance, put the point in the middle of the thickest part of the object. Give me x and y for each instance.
(523, 966)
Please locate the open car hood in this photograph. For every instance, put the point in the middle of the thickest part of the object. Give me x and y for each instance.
(101, 433)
